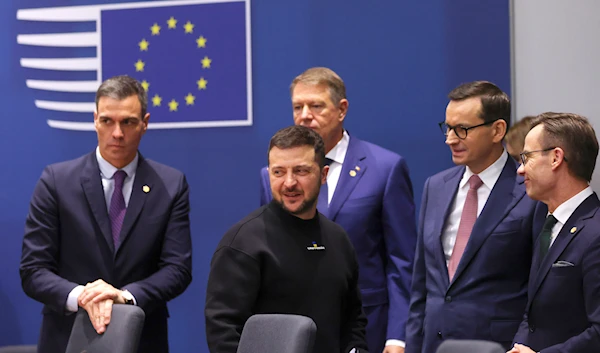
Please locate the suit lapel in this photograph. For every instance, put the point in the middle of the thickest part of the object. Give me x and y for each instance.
(91, 182)
(354, 166)
(143, 181)
(569, 231)
(445, 204)
(502, 199)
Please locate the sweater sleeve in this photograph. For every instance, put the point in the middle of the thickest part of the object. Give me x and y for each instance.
(232, 289)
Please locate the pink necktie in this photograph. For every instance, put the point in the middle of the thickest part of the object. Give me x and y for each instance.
(467, 220)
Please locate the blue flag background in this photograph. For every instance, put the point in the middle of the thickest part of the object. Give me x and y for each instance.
(173, 59)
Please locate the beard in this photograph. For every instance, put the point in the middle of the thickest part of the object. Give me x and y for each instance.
(305, 206)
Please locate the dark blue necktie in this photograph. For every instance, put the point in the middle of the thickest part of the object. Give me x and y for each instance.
(117, 206)
(323, 201)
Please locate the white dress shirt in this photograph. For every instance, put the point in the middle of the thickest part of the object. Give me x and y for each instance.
(563, 212)
(489, 177)
(107, 172)
(337, 155)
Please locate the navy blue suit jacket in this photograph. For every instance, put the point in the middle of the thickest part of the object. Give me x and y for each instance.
(68, 242)
(563, 310)
(488, 293)
(376, 208)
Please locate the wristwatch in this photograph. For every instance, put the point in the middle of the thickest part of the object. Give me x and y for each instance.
(127, 297)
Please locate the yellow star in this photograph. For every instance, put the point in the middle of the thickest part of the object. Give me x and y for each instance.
(173, 105)
(206, 63)
(144, 45)
(201, 42)
(172, 22)
(202, 83)
(189, 99)
(139, 65)
(155, 29)
(156, 100)
(146, 85)
(189, 27)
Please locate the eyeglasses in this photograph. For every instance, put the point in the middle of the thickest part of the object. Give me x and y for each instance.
(461, 131)
(525, 155)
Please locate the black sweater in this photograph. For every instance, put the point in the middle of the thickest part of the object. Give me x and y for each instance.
(274, 262)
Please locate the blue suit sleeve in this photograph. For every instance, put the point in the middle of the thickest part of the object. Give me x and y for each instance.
(414, 327)
(399, 230)
(41, 246)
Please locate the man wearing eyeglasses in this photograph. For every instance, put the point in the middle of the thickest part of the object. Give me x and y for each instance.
(563, 310)
(475, 239)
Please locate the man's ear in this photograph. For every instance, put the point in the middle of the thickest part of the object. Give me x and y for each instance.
(343, 107)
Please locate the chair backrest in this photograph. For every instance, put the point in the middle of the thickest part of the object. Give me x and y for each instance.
(122, 335)
(19, 349)
(278, 333)
(470, 346)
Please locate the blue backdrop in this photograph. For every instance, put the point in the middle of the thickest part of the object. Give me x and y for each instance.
(399, 59)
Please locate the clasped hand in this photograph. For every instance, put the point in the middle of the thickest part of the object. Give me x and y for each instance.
(97, 299)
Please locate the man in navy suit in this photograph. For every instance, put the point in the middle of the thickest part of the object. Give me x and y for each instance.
(563, 310)
(108, 227)
(369, 193)
(474, 246)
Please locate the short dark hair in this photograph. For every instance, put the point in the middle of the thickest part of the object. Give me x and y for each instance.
(121, 87)
(297, 136)
(322, 76)
(516, 134)
(495, 104)
(575, 135)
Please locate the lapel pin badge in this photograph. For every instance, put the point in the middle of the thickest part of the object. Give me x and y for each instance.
(357, 168)
(352, 173)
(573, 230)
(146, 189)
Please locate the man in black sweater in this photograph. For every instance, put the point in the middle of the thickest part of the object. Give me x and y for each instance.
(287, 258)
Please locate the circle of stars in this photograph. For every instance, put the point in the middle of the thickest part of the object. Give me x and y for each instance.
(206, 62)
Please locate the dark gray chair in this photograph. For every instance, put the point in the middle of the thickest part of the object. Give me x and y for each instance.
(19, 349)
(122, 335)
(470, 346)
(278, 333)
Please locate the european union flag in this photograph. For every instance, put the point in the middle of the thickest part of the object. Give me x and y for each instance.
(191, 58)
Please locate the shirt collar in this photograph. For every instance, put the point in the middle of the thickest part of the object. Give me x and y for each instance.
(566, 209)
(108, 170)
(490, 175)
(338, 152)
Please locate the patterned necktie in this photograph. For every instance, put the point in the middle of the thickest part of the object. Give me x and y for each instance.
(117, 206)
(545, 235)
(323, 201)
(467, 220)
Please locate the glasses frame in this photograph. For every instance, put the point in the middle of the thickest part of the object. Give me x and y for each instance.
(525, 155)
(466, 129)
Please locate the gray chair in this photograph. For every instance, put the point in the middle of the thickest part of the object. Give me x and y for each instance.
(278, 333)
(19, 349)
(470, 346)
(122, 335)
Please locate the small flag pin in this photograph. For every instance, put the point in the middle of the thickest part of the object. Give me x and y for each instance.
(352, 173)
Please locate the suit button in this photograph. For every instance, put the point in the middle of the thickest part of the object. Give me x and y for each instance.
(448, 299)
(532, 328)
(439, 334)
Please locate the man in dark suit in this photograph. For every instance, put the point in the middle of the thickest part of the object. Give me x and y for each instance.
(369, 193)
(108, 227)
(563, 310)
(474, 246)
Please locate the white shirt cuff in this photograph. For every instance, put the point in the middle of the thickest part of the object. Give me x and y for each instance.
(395, 343)
(72, 305)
